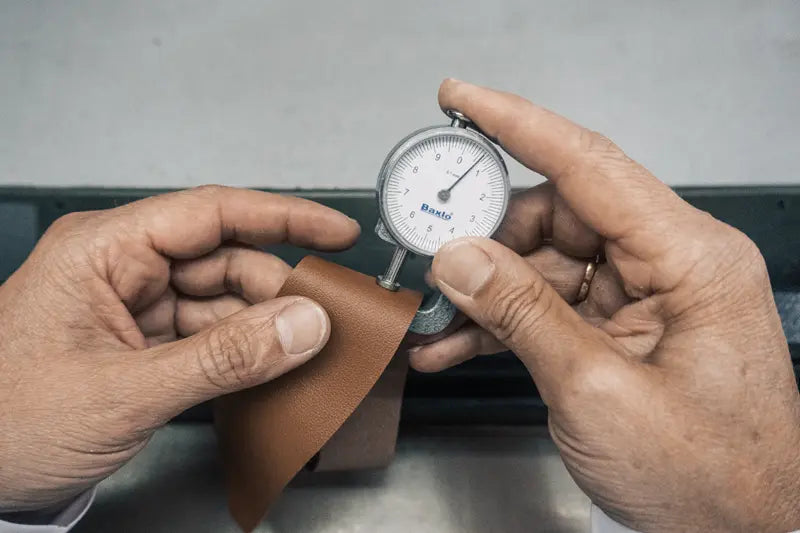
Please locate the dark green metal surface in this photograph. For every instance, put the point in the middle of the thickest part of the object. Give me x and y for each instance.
(769, 215)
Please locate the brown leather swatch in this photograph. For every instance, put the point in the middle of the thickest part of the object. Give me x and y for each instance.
(368, 438)
(268, 433)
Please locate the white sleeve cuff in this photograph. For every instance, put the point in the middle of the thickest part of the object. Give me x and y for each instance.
(63, 522)
(601, 523)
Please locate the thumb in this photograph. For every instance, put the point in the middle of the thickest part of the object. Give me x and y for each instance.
(245, 349)
(506, 296)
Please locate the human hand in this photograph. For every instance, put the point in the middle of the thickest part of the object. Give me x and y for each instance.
(121, 319)
(670, 390)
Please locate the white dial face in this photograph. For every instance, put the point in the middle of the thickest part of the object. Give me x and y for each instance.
(442, 188)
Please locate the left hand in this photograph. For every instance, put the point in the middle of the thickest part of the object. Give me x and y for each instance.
(121, 319)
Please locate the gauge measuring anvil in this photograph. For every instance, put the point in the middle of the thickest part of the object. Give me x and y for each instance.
(438, 184)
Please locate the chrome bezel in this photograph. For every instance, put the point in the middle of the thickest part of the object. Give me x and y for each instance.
(421, 136)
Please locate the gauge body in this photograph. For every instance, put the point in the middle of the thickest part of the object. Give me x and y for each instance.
(441, 183)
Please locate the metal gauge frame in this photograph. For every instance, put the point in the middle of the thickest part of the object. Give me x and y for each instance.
(419, 137)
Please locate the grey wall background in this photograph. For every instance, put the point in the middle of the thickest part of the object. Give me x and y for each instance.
(312, 94)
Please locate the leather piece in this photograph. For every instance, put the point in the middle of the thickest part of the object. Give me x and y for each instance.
(268, 433)
(368, 437)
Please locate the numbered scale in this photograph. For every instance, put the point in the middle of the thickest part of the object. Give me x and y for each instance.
(439, 184)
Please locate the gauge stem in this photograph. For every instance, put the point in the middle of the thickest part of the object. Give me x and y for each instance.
(389, 278)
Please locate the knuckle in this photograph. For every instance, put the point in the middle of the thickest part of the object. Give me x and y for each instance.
(597, 154)
(516, 308)
(747, 249)
(592, 142)
(728, 249)
(68, 222)
(711, 253)
(69, 240)
(229, 355)
(749, 257)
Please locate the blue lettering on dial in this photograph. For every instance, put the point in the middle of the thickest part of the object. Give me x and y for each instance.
(425, 208)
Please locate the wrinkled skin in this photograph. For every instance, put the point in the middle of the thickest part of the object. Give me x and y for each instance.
(115, 324)
(670, 389)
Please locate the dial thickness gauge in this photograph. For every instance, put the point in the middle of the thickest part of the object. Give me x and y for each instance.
(439, 184)
(442, 183)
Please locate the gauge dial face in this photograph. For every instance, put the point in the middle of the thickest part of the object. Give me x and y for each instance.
(442, 187)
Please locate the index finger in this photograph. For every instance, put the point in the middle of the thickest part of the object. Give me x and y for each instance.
(610, 192)
(190, 223)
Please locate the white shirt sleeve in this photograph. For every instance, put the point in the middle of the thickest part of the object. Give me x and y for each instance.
(63, 522)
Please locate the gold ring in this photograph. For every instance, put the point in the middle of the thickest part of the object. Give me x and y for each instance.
(588, 276)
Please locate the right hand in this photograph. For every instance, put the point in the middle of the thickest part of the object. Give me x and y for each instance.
(671, 394)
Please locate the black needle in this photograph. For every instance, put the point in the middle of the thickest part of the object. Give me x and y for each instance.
(444, 194)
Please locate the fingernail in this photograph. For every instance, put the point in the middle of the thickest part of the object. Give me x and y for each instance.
(464, 267)
(414, 349)
(301, 327)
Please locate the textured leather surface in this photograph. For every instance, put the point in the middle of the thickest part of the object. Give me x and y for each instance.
(369, 436)
(268, 433)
